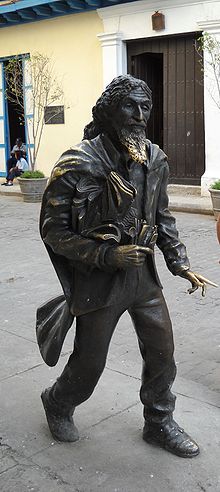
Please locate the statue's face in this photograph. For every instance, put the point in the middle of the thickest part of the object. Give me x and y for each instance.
(132, 112)
(129, 120)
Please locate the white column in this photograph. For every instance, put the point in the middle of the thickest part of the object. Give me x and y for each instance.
(211, 118)
(113, 55)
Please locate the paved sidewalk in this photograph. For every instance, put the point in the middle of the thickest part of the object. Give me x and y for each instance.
(110, 456)
(191, 203)
(10, 190)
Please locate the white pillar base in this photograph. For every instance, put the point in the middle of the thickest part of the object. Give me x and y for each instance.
(211, 115)
(113, 55)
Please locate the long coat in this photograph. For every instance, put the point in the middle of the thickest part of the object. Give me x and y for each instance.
(86, 191)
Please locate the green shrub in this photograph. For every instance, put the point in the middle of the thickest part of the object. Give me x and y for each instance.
(215, 185)
(33, 175)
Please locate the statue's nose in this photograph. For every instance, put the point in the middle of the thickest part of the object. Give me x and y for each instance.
(139, 113)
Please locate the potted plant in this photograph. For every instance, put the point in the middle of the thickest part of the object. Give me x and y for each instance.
(32, 185)
(43, 93)
(215, 196)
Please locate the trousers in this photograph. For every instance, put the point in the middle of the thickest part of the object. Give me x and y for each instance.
(11, 162)
(14, 174)
(143, 299)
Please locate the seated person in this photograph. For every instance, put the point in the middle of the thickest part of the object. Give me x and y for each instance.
(19, 145)
(18, 169)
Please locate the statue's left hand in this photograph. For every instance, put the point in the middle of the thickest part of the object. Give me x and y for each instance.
(197, 281)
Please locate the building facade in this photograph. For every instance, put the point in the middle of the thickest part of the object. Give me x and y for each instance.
(93, 41)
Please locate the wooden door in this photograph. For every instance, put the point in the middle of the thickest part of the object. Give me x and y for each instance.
(171, 67)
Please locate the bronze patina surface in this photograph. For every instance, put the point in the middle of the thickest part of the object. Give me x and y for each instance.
(105, 208)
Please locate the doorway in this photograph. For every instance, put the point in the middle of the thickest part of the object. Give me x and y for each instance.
(11, 123)
(171, 67)
(14, 111)
(149, 66)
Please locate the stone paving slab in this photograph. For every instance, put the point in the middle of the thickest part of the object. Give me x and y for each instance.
(16, 358)
(21, 395)
(115, 455)
(111, 455)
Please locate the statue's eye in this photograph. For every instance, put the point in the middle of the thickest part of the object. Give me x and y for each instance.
(128, 105)
(145, 107)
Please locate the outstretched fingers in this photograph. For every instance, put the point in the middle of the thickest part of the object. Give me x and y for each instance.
(205, 280)
(197, 281)
(192, 289)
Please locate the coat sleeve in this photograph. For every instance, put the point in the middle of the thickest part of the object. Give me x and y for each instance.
(57, 230)
(173, 249)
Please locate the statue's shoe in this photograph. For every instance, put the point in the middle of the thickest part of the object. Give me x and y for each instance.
(61, 425)
(171, 437)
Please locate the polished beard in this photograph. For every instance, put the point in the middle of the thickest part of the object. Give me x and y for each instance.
(135, 143)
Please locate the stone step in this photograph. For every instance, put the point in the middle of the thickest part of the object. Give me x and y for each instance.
(10, 190)
(184, 190)
(191, 203)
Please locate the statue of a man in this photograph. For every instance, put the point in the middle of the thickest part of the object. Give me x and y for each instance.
(105, 208)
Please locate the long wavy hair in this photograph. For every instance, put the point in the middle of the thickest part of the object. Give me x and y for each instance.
(119, 88)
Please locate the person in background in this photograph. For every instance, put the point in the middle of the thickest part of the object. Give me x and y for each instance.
(12, 161)
(18, 169)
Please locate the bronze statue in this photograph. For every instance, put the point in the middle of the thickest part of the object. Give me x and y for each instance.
(105, 208)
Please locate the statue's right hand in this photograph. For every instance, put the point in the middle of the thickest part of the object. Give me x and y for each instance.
(127, 256)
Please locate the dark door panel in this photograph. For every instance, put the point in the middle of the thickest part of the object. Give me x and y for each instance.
(171, 67)
(149, 66)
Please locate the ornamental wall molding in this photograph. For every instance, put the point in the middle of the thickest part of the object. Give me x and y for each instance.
(209, 25)
(110, 38)
(149, 5)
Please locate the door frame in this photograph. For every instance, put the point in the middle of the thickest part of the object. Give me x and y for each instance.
(7, 145)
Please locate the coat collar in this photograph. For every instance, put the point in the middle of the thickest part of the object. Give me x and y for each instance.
(99, 156)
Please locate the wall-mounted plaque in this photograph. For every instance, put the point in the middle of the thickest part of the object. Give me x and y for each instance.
(54, 115)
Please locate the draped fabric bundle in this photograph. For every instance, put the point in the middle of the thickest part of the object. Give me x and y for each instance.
(53, 322)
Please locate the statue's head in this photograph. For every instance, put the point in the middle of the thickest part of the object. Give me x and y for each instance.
(122, 111)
